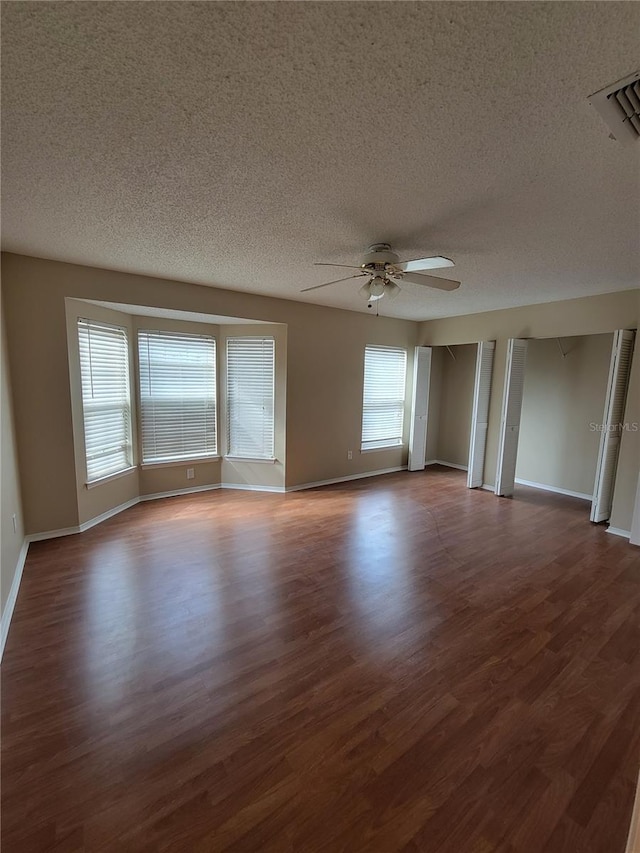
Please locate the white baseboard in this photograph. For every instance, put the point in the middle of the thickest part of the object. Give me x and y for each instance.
(87, 525)
(84, 526)
(488, 487)
(98, 519)
(554, 489)
(315, 485)
(13, 595)
(447, 464)
(626, 534)
(52, 534)
(245, 488)
(177, 492)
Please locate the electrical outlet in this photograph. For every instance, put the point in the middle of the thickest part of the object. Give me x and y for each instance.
(190, 473)
(15, 523)
(349, 454)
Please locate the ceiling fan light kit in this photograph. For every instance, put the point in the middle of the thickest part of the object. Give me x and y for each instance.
(384, 270)
(375, 287)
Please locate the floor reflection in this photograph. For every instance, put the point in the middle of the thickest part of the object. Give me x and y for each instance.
(148, 616)
(111, 636)
(378, 568)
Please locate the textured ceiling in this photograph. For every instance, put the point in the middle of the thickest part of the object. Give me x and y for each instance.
(234, 144)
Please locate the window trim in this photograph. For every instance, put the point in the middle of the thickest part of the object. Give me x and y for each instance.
(199, 456)
(200, 460)
(242, 457)
(91, 484)
(392, 444)
(129, 447)
(269, 460)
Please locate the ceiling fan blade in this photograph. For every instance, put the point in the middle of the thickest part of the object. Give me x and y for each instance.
(327, 283)
(430, 281)
(344, 266)
(435, 263)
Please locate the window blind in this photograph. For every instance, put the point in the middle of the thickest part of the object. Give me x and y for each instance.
(106, 400)
(385, 371)
(177, 396)
(250, 397)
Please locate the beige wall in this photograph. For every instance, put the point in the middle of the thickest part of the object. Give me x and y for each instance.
(587, 316)
(456, 403)
(563, 397)
(10, 504)
(37, 344)
(323, 396)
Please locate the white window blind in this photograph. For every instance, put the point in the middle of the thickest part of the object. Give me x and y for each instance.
(385, 370)
(177, 396)
(250, 397)
(106, 401)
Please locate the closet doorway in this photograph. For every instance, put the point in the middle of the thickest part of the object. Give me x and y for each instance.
(563, 403)
(450, 407)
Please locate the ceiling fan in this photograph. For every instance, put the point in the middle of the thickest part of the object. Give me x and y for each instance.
(383, 270)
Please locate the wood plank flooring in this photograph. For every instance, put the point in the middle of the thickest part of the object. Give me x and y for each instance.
(396, 664)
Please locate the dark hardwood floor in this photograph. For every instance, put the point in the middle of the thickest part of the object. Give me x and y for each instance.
(395, 664)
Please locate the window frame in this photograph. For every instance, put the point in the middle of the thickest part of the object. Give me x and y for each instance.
(201, 455)
(242, 456)
(126, 406)
(385, 443)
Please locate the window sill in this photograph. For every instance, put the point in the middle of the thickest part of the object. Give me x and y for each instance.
(171, 463)
(91, 484)
(250, 459)
(386, 447)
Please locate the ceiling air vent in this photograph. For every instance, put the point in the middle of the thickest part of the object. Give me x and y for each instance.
(619, 106)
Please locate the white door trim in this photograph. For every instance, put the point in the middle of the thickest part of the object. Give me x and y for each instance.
(419, 408)
(510, 420)
(480, 413)
(611, 432)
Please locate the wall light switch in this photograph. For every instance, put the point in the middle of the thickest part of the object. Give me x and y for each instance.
(349, 454)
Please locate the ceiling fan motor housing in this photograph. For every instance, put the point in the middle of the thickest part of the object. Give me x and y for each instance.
(378, 257)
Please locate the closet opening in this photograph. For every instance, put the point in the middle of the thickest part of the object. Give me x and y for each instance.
(562, 417)
(452, 386)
